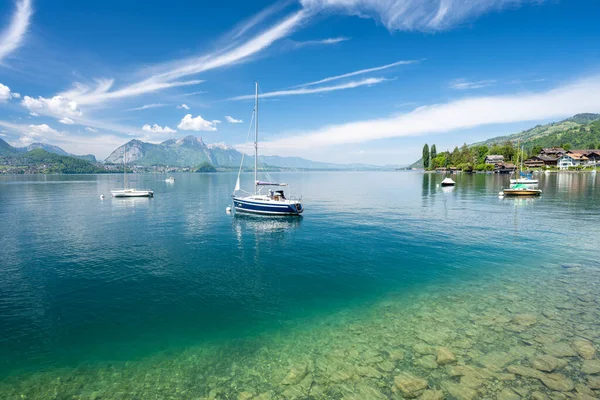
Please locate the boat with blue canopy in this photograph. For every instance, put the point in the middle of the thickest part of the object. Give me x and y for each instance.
(273, 202)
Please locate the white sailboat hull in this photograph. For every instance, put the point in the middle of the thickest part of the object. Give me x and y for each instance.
(132, 193)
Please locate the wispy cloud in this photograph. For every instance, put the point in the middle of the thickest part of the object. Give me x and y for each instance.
(359, 72)
(463, 84)
(66, 121)
(410, 15)
(12, 36)
(157, 129)
(192, 93)
(189, 123)
(90, 129)
(334, 40)
(147, 106)
(466, 113)
(168, 75)
(184, 106)
(232, 120)
(322, 89)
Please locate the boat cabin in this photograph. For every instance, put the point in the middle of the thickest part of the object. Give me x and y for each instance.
(277, 195)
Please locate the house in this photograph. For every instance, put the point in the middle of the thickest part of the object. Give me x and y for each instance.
(572, 160)
(505, 168)
(494, 159)
(553, 151)
(592, 155)
(540, 161)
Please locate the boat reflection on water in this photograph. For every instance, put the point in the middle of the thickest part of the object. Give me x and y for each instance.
(264, 223)
(131, 202)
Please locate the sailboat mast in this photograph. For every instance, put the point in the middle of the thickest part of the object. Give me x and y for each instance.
(256, 138)
(125, 167)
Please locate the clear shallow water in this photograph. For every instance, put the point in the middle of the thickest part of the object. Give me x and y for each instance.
(131, 298)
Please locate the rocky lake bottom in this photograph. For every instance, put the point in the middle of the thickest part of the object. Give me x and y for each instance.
(524, 334)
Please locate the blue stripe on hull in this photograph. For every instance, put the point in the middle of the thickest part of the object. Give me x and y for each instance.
(259, 208)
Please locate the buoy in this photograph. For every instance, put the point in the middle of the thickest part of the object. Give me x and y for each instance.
(101, 197)
(228, 210)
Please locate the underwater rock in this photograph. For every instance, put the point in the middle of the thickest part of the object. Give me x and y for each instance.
(341, 376)
(432, 395)
(545, 363)
(507, 394)
(582, 389)
(264, 396)
(520, 352)
(368, 372)
(538, 396)
(583, 396)
(584, 348)
(427, 362)
(296, 374)
(590, 367)
(445, 356)
(396, 354)
(422, 348)
(471, 381)
(525, 371)
(363, 392)
(387, 366)
(594, 382)
(557, 382)
(245, 396)
(495, 360)
(561, 349)
(409, 385)
(459, 392)
(524, 319)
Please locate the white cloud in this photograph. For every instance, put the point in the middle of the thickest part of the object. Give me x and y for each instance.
(66, 121)
(334, 40)
(43, 129)
(90, 129)
(157, 129)
(322, 89)
(359, 72)
(34, 114)
(463, 84)
(232, 120)
(184, 106)
(567, 100)
(12, 36)
(197, 124)
(4, 93)
(16, 95)
(58, 106)
(147, 106)
(411, 15)
(166, 75)
(192, 93)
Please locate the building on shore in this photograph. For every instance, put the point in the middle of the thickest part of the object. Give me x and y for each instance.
(494, 159)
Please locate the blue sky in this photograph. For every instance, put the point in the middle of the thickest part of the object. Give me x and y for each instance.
(342, 80)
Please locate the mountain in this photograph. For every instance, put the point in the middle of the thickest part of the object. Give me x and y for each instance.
(192, 151)
(58, 164)
(552, 134)
(7, 150)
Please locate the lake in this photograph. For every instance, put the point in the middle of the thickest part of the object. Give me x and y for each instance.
(388, 286)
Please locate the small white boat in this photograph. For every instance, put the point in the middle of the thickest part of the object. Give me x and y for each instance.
(170, 179)
(125, 192)
(132, 193)
(448, 182)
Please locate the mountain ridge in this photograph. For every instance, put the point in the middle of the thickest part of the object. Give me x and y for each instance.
(6, 150)
(191, 150)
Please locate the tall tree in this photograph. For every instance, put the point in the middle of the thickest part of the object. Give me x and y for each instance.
(426, 156)
(434, 154)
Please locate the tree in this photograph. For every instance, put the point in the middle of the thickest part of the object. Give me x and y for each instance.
(206, 167)
(426, 156)
(434, 152)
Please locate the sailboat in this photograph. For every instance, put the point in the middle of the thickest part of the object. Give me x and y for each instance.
(526, 179)
(518, 187)
(125, 192)
(274, 202)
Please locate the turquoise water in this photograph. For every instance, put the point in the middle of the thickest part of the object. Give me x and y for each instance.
(144, 298)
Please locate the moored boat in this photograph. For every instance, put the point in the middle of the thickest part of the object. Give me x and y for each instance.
(521, 190)
(274, 202)
(448, 182)
(125, 192)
